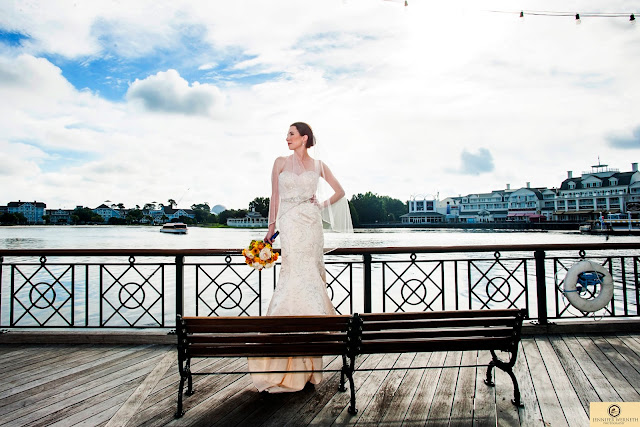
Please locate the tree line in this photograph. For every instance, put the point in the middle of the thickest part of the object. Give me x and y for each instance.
(367, 208)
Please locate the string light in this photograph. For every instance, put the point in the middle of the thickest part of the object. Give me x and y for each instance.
(578, 16)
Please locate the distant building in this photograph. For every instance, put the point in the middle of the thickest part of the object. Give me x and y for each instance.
(485, 207)
(59, 216)
(525, 204)
(33, 211)
(172, 213)
(252, 219)
(107, 212)
(422, 210)
(596, 192)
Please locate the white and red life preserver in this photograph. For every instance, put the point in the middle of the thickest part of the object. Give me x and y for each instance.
(602, 277)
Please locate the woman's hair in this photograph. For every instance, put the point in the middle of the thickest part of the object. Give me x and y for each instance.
(305, 129)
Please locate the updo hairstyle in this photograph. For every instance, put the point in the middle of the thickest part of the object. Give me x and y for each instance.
(305, 129)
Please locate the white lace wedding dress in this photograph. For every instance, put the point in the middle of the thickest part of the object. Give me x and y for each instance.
(301, 287)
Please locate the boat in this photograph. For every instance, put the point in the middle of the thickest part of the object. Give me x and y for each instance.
(174, 228)
(612, 224)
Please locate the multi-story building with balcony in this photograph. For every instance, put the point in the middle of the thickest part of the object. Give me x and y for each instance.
(33, 211)
(596, 192)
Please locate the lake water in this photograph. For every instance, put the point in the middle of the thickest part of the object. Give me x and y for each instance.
(148, 237)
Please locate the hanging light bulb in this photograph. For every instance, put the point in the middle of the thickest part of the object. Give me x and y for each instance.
(578, 21)
(632, 18)
(521, 16)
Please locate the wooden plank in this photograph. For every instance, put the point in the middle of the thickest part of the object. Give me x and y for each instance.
(76, 412)
(403, 396)
(383, 398)
(72, 397)
(71, 383)
(366, 392)
(422, 399)
(585, 391)
(32, 375)
(211, 392)
(465, 391)
(549, 404)
(440, 412)
(616, 354)
(311, 398)
(604, 390)
(617, 379)
(529, 414)
(484, 412)
(311, 407)
(575, 413)
(133, 403)
(632, 341)
(340, 401)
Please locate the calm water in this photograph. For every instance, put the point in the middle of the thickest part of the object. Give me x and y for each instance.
(147, 237)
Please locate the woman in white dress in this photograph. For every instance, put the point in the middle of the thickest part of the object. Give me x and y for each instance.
(301, 287)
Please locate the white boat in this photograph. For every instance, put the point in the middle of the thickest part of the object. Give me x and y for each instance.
(613, 224)
(174, 228)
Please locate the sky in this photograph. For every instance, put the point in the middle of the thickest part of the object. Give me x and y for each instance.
(143, 101)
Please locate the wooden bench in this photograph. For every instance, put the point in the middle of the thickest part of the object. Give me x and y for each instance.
(272, 336)
(349, 336)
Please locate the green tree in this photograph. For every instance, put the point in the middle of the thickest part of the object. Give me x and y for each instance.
(150, 206)
(260, 205)
(203, 213)
(172, 203)
(46, 219)
(86, 215)
(134, 216)
(369, 207)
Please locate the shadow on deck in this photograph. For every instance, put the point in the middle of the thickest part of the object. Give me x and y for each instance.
(136, 385)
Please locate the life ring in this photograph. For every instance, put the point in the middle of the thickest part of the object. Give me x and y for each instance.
(579, 274)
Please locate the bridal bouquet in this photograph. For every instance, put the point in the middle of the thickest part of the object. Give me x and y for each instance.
(259, 255)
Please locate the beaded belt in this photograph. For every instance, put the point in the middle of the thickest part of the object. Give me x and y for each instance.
(299, 199)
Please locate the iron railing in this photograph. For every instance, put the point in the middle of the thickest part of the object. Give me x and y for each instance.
(145, 288)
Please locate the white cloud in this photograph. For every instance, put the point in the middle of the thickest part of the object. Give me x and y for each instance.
(168, 92)
(393, 94)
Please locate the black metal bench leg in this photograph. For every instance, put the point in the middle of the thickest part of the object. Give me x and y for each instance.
(341, 387)
(180, 412)
(516, 390)
(489, 380)
(352, 407)
(190, 389)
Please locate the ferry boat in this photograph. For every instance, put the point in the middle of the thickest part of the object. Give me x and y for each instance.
(174, 228)
(612, 224)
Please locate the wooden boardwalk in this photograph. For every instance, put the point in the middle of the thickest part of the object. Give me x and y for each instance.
(136, 385)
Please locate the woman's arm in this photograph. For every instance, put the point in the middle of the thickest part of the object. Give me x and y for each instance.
(335, 185)
(274, 201)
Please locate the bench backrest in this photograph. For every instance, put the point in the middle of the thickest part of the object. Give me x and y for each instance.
(440, 331)
(263, 336)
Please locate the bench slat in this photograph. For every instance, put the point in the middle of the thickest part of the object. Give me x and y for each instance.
(266, 338)
(442, 333)
(452, 314)
(267, 324)
(437, 323)
(271, 350)
(458, 344)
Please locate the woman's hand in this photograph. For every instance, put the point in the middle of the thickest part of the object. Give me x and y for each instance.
(269, 237)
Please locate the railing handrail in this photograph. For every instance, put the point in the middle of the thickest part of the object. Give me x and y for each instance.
(337, 251)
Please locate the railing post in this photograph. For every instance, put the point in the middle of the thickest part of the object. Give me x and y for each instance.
(180, 285)
(541, 286)
(367, 282)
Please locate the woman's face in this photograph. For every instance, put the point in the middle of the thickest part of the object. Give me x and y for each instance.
(294, 139)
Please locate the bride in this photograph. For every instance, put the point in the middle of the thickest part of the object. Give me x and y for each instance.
(301, 287)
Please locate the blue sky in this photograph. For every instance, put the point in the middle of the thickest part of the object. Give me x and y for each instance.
(151, 100)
